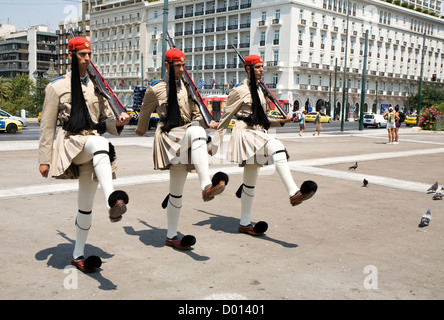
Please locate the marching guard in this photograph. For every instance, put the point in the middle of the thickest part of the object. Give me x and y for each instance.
(180, 142)
(80, 151)
(252, 147)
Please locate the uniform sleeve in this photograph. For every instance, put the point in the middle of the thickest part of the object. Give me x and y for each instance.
(48, 125)
(110, 120)
(233, 104)
(150, 103)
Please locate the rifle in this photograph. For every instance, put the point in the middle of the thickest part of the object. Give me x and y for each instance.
(192, 90)
(265, 89)
(103, 88)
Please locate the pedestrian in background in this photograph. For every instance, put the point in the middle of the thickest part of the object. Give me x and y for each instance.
(397, 125)
(302, 122)
(318, 124)
(390, 116)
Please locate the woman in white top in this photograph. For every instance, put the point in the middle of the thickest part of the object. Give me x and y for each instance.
(390, 115)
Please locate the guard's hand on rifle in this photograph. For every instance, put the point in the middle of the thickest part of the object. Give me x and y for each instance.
(123, 119)
(214, 124)
(288, 118)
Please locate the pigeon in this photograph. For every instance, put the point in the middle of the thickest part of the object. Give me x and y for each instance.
(433, 187)
(425, 220)
(364, 183)
(353, 166)
(438, 194)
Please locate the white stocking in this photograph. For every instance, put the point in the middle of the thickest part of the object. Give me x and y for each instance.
(97, 148)
(178, 175)
(276, 149)
(83, 223)
(197, 138)
(251, 172)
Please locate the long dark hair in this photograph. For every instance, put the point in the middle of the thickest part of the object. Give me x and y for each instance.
(258, 116)
(173, 118)
(79, 118)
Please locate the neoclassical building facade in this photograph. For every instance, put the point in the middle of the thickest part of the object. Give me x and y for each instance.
(302, 44)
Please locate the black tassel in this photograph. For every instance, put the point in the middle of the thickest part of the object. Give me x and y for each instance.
(165, 201)
(258, 116)
(79, 118)
(173, 118)
(111, 152)
(239, 191)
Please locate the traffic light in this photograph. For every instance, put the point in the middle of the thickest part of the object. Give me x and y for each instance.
(434, 77)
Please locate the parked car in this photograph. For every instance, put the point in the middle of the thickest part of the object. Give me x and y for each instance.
(311, 116)
(275, 114)
(154, 120)
(410, 120)
(374, 120)
(5, 114)
(10, 125)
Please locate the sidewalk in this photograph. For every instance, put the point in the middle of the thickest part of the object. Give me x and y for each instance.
(327, 248)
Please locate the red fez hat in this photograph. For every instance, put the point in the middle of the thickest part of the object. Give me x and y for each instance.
(174, 55)
(79, 43)
(252, 59)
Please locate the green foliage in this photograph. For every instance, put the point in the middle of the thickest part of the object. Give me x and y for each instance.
(429, 97)
(404, 4)
(22, 93)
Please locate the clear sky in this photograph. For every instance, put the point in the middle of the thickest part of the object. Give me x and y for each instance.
(26, 13)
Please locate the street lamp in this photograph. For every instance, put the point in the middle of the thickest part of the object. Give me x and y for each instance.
(344, 85)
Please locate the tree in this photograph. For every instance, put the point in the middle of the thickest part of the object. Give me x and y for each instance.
(429, 97)
(4, 85)
(22, 93)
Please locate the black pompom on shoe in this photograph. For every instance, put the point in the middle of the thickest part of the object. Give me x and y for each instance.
(218, 183)
(92, 263)
(182, 244)
(117, 202)
(257, 230)
(218, 177)
(308, 189)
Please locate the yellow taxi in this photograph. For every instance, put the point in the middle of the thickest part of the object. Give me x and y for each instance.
(311, 116)
(410, 120)
(275, 114)
(39, 118)
(10, 125)
(231, 124)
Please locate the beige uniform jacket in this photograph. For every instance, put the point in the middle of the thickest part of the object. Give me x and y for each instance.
(245, 140)
(168, 144)
(58, 105)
